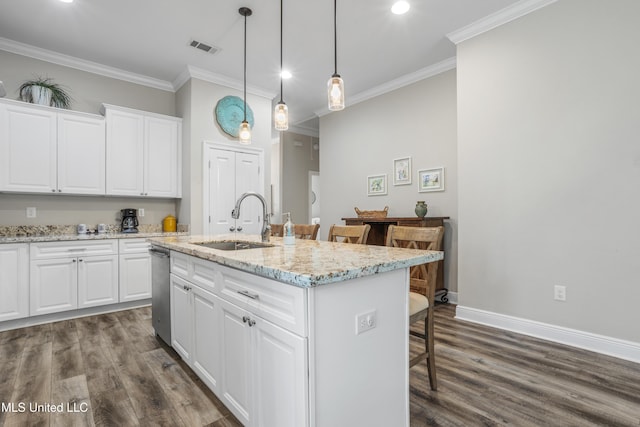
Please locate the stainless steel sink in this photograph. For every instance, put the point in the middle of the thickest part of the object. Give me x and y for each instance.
(233, 245)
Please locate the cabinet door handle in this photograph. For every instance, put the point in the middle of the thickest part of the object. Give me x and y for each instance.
(249, 294)
(245, 319)
(251, 322)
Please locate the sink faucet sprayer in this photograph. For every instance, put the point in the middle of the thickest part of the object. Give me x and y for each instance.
(266, 227)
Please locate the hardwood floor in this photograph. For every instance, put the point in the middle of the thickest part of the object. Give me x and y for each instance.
(114, 366)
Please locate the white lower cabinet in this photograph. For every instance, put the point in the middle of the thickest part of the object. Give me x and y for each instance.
(70, 275)
(134, 269)
(257, 368)
(14, 281)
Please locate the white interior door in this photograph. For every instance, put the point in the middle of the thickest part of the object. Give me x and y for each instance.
(228, 174)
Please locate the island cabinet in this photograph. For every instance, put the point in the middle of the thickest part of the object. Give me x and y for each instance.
(220, 327)
(281, 355)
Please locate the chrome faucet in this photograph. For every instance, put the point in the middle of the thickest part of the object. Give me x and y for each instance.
(266, 227)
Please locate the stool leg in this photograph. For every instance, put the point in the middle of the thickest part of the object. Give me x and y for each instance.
(431, 354)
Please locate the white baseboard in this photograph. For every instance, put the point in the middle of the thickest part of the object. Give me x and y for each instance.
(71, 314)
(615, 347)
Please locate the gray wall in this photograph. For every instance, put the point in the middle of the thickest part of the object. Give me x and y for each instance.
(549, 166)
(198, 101)
(89, 91)
(298, 158)
(418, 120)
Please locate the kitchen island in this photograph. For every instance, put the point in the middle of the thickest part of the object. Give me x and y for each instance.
(313, 334)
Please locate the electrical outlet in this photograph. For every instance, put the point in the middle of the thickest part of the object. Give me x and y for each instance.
(140, 213)
(560, 293)
(366, 321)
(31, 212)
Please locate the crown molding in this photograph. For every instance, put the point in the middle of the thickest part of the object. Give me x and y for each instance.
(497, 19)
(390, 86)
(303, 130)
(82, 65)
(219, 79)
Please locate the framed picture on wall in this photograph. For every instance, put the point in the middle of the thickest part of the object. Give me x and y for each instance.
(377, 185)
(431, 180)
(402, 171)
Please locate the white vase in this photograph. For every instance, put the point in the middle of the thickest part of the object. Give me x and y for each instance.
(40, 95)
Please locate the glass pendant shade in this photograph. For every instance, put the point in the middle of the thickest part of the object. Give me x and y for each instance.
(335, 90)
(281, 116)
(244, 134)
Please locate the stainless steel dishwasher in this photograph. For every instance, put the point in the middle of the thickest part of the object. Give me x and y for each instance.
(161, 293)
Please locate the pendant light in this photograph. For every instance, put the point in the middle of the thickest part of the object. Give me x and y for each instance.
(281, 112)
(335, 86)
(244, 133)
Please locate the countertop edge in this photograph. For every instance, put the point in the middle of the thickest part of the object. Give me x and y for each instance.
(293, 278)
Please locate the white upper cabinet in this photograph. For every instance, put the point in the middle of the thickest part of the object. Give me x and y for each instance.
(48, 150)
(143, 153)
(27, 148)
(81, 157)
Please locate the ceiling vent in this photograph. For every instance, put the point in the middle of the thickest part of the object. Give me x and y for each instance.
(204, 47)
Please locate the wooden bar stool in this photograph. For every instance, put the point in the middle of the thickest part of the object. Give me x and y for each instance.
(422, 286)
(349, 233)
(302, 231)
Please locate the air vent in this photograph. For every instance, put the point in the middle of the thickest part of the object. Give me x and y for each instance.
(204, 47)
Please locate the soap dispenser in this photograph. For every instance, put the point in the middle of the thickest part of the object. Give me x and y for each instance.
(288, 235)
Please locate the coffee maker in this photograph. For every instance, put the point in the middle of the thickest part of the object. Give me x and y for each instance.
(129, 222)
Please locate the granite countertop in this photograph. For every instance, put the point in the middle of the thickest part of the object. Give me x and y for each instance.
(67, 237)
(308, 263)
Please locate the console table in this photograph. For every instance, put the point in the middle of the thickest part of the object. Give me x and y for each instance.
(378, 236)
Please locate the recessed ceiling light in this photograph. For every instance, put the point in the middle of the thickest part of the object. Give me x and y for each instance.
(400, 7)
(285, 74)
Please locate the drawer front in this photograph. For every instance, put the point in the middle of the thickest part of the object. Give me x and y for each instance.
(180, 265)
(132, 246)
(282, 304)
(205, 274)
(73, 248)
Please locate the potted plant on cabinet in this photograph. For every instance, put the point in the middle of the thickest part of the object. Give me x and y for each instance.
(44, 91)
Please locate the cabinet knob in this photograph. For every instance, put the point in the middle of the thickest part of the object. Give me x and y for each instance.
(251, 322)
(59, 191)
(74, 260)
(232, 228)
(245, 319)
(80, 260)
(239, 228)
(53, 189)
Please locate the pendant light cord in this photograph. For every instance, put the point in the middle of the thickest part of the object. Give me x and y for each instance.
(335, 36)
(245, 67)
(281, 94)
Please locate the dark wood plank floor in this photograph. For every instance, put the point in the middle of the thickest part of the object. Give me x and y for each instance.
(113, 365)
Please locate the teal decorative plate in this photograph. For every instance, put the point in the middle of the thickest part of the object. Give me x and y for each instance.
(229, 113)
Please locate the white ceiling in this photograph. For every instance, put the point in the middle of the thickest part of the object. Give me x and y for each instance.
(151, 38)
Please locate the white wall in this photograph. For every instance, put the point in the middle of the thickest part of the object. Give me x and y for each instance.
(200, 102)
(88, 91)
(549, 167)
(418, 120)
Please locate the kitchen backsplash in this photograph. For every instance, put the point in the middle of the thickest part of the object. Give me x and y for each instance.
(63, 230)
